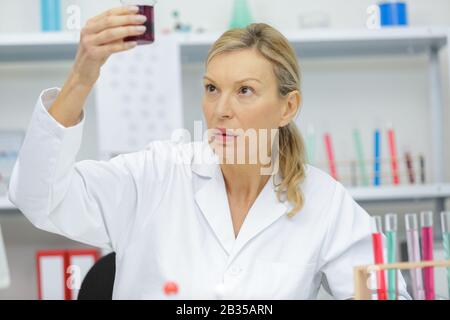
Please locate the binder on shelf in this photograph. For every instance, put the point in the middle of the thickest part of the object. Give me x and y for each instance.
(51, 266)
(61, 272)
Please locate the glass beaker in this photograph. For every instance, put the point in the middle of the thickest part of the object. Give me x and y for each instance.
(146, 8)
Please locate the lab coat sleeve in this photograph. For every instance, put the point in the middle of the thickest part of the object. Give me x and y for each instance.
(87, 201)
(348, 243)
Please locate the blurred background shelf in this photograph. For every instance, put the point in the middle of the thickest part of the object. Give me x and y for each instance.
(310, 43)
(399, 193)
(317, 43)
(40, 46)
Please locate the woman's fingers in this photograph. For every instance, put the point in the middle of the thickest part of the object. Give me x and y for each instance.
(113, 34)
(117, 46)
(115, 12)
(104, 35)
(114, 21)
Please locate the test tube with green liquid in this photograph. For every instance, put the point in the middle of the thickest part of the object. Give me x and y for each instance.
(445, 223)
(391, 236)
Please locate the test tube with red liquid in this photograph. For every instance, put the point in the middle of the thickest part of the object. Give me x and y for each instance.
(377, 243)
(426, 223)
(146, 8)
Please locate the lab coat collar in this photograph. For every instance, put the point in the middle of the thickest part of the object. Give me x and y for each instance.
(212, 200)
(204, 160)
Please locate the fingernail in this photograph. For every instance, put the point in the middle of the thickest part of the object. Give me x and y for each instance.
(140, 28)
(133, 8)
(131, 44)
(140, 18)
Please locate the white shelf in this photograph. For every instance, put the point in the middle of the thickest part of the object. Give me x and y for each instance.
(38, 46)
(336, 43)
(366, 194)
(194, 47)
(398, 193)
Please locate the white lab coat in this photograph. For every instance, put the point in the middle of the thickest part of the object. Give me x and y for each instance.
(165, 213)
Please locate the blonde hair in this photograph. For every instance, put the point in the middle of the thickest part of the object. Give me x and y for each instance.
(276, 48)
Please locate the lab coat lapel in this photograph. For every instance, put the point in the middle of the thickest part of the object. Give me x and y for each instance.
(264, 212)
(213, 203)
(212, 200)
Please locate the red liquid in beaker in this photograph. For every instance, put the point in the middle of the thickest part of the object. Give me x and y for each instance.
(149, 35)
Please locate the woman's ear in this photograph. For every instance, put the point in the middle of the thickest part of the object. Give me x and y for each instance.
(291, 105)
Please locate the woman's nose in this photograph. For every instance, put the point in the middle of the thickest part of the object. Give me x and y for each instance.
(223, 108)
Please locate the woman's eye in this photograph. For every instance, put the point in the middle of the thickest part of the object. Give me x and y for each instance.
(209, 87)
(246, 90)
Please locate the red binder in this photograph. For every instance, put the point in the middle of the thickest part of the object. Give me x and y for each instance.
(60, 272)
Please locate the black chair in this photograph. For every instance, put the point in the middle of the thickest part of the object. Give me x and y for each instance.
(99, 281)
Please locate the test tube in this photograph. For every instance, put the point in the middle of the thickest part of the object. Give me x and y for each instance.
(391, 235)
(413, 244)
(409, 166)
(377, 243)
(377, 160)
(393, 153)
(360, 155)
(426, 223)
(330, 156)
(422, 168)
(445, 223)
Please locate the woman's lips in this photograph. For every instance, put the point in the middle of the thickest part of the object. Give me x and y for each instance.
(224, 135)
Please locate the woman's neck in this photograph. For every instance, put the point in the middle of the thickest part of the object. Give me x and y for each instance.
(243, 181)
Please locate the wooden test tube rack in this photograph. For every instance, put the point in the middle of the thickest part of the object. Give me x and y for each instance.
(361, 274)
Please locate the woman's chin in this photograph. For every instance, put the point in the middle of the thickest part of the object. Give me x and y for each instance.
(225, 151)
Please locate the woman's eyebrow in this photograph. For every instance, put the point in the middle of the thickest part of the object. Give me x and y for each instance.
(239, 81)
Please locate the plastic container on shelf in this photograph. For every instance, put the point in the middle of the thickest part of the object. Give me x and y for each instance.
(50, 15)
(393, 13)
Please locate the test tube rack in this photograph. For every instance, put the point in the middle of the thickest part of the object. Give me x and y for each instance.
(361, 274)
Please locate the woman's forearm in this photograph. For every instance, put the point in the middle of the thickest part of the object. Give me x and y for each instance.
(70, 102)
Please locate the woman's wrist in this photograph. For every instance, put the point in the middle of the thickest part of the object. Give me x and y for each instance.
(69, 104)
(76, 82)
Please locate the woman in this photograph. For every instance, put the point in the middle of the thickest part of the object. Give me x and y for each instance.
(188, 213)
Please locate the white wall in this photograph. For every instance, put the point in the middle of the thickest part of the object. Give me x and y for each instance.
(367, 91)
